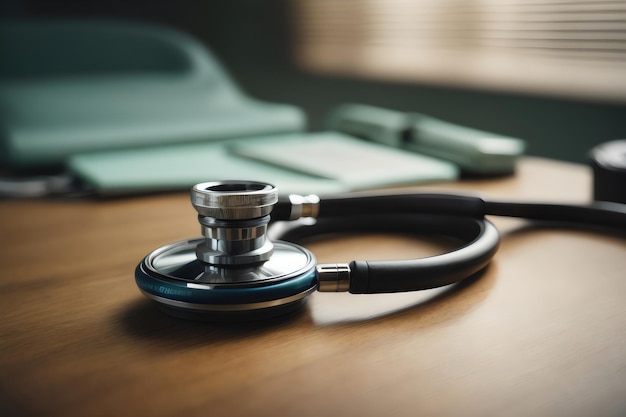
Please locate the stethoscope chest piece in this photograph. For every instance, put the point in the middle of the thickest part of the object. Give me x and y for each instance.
(234, 272)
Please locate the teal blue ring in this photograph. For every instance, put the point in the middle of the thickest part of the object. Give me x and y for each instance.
(178, 290)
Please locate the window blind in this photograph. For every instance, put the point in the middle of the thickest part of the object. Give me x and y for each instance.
(556, 47)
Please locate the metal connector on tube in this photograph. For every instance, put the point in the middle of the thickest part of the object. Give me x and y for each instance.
(333, 277)
(304, 206)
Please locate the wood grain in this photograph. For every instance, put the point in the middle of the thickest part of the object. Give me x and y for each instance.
(542, 332)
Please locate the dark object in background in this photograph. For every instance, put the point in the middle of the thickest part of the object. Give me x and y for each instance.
(608, 161)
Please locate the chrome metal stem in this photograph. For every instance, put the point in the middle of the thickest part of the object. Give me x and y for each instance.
(304, 206)
(234, 217)
(333, 277)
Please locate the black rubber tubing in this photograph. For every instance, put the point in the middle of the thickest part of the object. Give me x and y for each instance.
(478, 239)
(447, 214)
(368, 277)
(598, 213)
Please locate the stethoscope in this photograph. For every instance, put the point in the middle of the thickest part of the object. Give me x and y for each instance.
(235, 271)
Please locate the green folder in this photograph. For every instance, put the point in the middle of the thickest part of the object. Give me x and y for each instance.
(292, 162)
(68, 87)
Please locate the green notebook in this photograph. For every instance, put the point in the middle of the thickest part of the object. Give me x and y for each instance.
(320, 163)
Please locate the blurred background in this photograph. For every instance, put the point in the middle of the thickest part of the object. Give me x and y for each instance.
(552, 73)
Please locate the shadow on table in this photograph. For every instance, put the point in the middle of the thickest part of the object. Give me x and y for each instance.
(143, 319)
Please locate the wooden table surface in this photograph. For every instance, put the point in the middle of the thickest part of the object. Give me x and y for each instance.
(541, 333)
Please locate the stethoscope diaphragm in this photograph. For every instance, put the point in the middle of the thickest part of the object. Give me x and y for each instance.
(184, 286)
